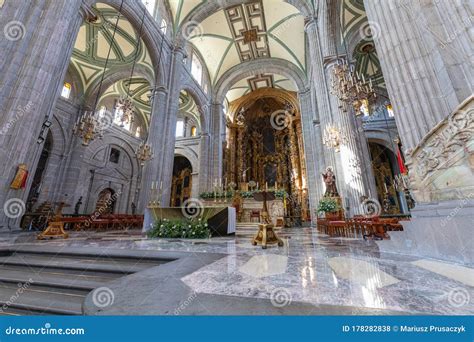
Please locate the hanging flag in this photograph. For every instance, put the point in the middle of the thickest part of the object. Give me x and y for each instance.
(401, 164)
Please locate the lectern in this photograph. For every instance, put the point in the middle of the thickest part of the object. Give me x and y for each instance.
(265, 235)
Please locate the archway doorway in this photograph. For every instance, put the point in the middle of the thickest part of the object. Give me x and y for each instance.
(106, 202)
(182, 181)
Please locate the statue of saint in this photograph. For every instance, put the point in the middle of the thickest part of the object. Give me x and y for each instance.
(77, 207)
(330, 181)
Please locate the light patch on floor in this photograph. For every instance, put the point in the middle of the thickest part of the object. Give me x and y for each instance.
(361, 272)
(459, 273)
(265, 265)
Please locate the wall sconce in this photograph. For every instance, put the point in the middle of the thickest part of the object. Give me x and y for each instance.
(46, 125)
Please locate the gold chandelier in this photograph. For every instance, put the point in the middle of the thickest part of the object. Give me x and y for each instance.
(333, 137)
(351, 87)
(144, 153)
(88, 127)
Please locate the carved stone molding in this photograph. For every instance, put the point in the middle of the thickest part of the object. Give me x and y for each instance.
(441, 162)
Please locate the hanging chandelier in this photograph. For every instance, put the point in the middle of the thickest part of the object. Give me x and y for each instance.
(333, 137)
(126, 109)
(88, 127)
(144, 153)
(351, 88)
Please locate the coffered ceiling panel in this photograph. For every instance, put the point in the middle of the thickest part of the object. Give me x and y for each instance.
(249, 84)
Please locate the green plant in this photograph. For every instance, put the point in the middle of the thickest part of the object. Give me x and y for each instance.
(328, 205)
(180, 229)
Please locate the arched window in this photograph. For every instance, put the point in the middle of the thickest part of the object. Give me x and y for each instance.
(180, 128)
(150, 5)
(138, 132)
(391, 114)
(196, 69)
(193, 131)
(164, 26)
(66, 92)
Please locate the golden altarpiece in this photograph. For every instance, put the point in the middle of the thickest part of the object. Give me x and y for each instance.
(265, 148)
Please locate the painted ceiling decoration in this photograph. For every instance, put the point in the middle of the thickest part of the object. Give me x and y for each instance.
(353, 16)
(94, 39)
(249, 84)
(353, 21)
(259, 29)
(368, 63)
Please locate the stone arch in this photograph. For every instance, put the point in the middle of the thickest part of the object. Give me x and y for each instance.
(112, 76)
(262, 65)
(151, 33)
(190, 155)
(201, 101)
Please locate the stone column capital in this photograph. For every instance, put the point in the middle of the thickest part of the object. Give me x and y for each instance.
(310, 23)
(87, 12)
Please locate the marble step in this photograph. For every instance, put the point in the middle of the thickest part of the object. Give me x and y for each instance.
(41, 299)
(126, 266)
(67, 279)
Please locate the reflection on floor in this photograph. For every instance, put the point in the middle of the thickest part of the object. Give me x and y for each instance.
(310, 268)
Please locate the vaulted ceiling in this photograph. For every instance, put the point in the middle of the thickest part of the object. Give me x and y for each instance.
(94, 40)
(260, 29)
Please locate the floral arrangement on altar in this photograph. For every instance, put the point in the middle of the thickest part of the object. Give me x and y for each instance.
(328, 205)
(180, 229)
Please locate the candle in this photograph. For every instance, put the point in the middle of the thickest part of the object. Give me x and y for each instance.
(161, 184)
(385, 186)
(276, 186)
(266, 186)
(257, 185)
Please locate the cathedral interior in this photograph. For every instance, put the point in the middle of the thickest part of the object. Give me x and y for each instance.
(338, 132)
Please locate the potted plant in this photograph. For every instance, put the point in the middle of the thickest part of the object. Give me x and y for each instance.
(329, 207)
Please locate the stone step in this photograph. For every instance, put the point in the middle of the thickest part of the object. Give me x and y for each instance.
(97, 264)
(41, 299)
(67, 279)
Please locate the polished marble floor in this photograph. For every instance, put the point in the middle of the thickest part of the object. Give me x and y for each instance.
(311, 268)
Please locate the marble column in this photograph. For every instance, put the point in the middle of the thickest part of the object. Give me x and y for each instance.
(217, 135)
(424, 86)
(313, 149)
(168, 147)
(152, 168)
(36, 49)
(357, 169)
